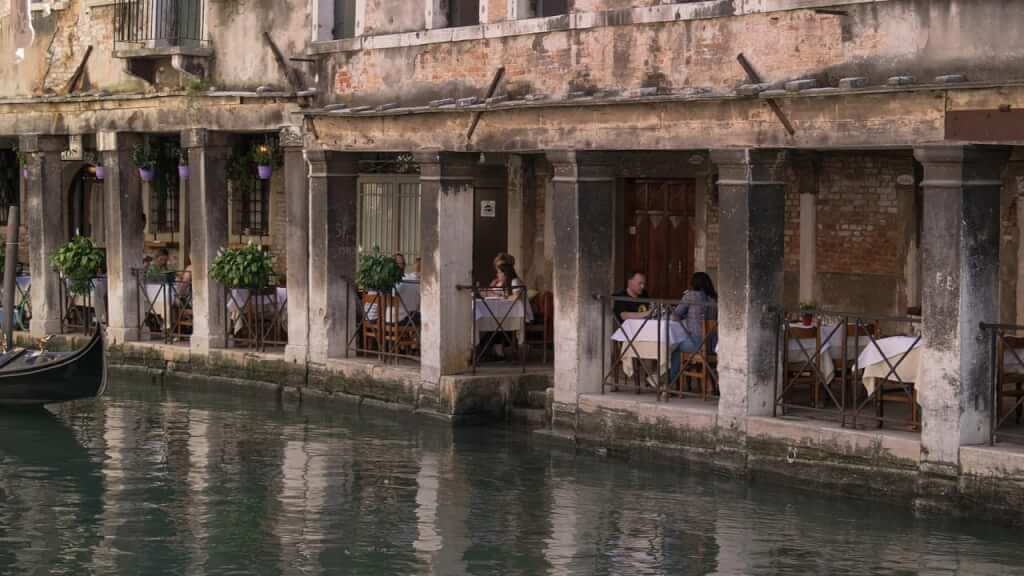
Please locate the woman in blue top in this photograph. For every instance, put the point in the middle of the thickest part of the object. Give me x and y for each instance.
(698, 304)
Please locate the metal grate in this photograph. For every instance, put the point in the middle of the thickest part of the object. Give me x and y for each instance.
(389, 214)
(160, 23)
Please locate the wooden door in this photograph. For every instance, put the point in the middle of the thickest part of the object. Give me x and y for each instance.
(660, 234)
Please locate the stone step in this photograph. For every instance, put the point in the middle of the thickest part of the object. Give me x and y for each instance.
(529, 417)
(538, 399)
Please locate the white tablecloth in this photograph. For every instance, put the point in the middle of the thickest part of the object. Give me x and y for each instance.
(894, 347)
(648, 341)
(511, 313)
(98, 299)
(800, 351)
(272, 304)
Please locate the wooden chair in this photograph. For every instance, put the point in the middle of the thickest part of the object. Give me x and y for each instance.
(889, 391)
(797, 370)
(373, 330)
(1009, 384)
(702, 365)
(401, 337)
(543, 330)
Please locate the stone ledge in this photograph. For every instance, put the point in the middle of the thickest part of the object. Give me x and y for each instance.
(1002, 461)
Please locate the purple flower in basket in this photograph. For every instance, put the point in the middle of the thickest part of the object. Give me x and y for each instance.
(101, 172)
(183, 171)
(263, 172)
(146, 174)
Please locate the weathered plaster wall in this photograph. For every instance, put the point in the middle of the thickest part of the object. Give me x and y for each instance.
(877, 40)
(390, 16)
(242, 59)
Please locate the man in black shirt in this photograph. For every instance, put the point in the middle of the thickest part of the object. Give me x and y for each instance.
(636, 287)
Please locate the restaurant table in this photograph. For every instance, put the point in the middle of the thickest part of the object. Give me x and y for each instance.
(646, 340)
(512, 314)
(273, 304)
(893, 348)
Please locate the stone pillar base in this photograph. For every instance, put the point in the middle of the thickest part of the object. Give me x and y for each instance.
(122, 335)
(39, 328)
(295, 354)
(203, 344)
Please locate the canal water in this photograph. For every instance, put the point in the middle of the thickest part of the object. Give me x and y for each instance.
(150, 481)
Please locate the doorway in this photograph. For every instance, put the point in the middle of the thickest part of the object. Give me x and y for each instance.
(659, 217)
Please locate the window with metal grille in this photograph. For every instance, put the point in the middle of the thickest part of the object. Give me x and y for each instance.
(389, 214)
(463, 12)
(164, 205)
(252, 209)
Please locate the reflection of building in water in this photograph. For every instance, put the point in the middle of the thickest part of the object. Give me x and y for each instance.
(301, 502)
(114, 443)
(441, 513)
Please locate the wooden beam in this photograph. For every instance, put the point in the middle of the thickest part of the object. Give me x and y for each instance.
(282, 63)
(756, 79)
(498, 75)
(79, 71)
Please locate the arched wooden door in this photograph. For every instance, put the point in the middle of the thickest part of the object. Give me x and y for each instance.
(660, 233)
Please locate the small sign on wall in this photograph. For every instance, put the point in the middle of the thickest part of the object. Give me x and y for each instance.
(488, 208)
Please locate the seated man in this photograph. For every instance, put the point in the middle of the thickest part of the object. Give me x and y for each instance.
(636, 287)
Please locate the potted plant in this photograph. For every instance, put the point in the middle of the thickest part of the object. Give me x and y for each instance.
(247, 267)
(378, 272)
(101, 172)
(79, 261)
(145, 159)
(263, 156)
(807, 313)
(182, 163)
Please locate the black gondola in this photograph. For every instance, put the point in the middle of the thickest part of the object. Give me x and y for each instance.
(32, 377)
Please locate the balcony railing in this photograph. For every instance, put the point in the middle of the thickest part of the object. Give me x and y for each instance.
(159, 23)
(389, 324)
(257, 318)
(165, 304)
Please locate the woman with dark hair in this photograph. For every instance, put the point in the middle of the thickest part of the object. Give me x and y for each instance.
(698, 304)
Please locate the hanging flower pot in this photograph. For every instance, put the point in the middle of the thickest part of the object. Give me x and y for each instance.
(146, 174)
(263, 172)
(101, 172)
(183, 171)
(24, 173)
(263, 156)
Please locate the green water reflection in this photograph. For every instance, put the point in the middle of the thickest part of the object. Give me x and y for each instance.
(151, 481)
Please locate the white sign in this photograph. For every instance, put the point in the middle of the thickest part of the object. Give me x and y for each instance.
(905, 180)
(488, 209)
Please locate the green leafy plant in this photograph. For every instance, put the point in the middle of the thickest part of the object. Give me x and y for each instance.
(807, 306)
(196, 86)
(378, 272)
(263, 155)
(79, 261)
(241, 168)
(247, 267)
(22, 157)
(144, 157)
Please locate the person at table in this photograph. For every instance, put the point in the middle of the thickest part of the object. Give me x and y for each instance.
(399, 259)
(157, 271)
(184, 287)
(636, 288)
(501, 259)
(697, 305)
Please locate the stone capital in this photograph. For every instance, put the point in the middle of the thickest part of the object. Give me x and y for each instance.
(807, 166)
(292, 137)
(203, 138)
(449, 166)
(574, 165)
(750, 166)
(962, 166)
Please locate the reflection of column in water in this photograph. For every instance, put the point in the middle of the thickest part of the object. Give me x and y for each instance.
(114, 425)
(441, 540)
(303, 491)
(734, 534)
(198, 481)
(641, 538)
(561, 547)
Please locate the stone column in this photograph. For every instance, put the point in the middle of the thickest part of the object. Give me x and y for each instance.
(123, 190)
(208, 155)
(960, 244)
(43, 199)
(517, 191)
(702, 191)
(750, 278)
(333, 202)
(446, 243)
(583, 221)
(296, 184)
(1015, 173)
(807, 166)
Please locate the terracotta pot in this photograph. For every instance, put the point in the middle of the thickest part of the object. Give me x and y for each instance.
(146, 174)
(807, 319)
(263, 172)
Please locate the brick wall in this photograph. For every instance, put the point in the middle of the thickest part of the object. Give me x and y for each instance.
(859, 225)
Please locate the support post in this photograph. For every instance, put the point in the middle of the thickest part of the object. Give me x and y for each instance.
(752, 209)
(446, 244)
(960, 242)
(208, 155)
(583, 247)
(123, 190)
(296, 183)
(333, 304)
(808, 167)
(44, 193)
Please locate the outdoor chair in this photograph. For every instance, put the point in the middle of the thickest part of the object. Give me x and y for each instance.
(798, 370)
(702, 365)
(1010, 385)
